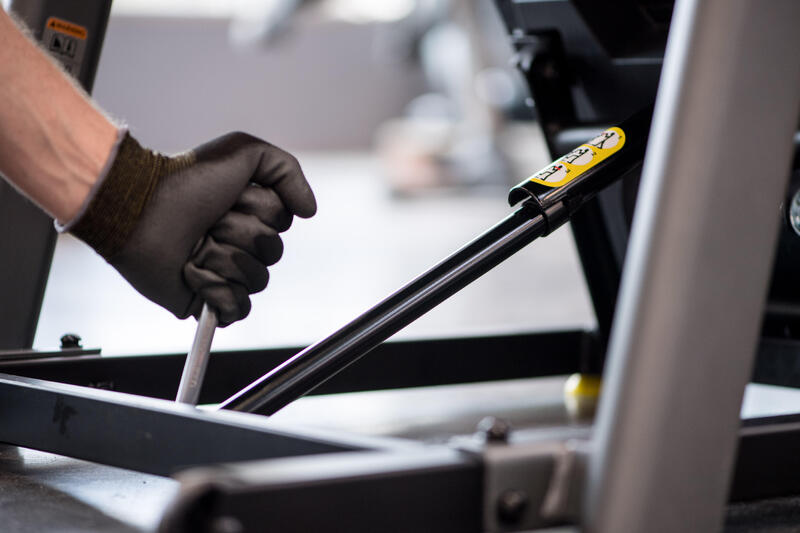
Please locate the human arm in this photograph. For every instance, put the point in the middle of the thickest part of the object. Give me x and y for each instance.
(54, 141)
(202, 225)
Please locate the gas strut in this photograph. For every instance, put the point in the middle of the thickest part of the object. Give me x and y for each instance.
(548, 199)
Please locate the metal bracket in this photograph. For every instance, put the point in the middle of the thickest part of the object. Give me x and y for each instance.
(532, 480)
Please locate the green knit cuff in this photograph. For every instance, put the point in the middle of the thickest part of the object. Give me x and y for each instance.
(117, 204)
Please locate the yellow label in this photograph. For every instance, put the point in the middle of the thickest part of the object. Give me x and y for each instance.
(69, 28)
(581, 159)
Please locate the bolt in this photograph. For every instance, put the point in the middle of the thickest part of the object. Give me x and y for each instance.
(511, 506)
(494, 429)
(70, 340)
(794, 212)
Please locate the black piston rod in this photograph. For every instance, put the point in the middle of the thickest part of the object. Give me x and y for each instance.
(312, 366)
(549, 196)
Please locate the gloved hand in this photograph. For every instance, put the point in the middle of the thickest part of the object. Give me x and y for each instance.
(199, 226)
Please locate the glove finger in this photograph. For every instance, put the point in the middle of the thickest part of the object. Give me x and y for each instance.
(281, 171)
(231, 263)
(266, 205)
(230, 300)
(195, 306)
(248, 233)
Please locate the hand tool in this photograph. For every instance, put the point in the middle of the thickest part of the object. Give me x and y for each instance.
(195, 368)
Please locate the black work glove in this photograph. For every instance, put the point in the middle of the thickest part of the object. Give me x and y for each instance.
(199, 226)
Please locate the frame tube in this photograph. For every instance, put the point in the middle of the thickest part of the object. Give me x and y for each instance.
(696, 273)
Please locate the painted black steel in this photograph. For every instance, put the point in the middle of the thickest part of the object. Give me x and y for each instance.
(148, 435)
(392, 365)
(436, 489)
(319, 362)
(433, 490)
(767, 462)
(27, 237)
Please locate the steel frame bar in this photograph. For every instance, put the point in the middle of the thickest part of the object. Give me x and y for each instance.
(697, 267)
(435, 489)
(392, 365)
(149, 435)
(438, 489)
(378, 481)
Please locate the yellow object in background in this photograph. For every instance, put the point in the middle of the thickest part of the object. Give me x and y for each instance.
(581, 393)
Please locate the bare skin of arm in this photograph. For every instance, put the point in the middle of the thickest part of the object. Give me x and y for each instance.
(54, 142)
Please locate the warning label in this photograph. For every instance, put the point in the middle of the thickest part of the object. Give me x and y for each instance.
(66, 41)
(67, 28)
(581, 159)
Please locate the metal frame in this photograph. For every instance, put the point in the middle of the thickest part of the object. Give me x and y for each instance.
(313, 469)
(149, 435)
(697, 268)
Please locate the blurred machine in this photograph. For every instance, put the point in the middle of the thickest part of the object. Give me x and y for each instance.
(667, 448)
(589, 67)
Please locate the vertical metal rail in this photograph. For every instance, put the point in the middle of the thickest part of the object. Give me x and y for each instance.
(696, 273)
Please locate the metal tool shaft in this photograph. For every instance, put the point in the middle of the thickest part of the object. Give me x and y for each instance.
(321, 361)
(195, 368)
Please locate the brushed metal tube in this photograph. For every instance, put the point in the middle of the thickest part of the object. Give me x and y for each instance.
(196, 362)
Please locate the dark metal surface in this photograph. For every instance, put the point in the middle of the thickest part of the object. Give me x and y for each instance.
(438, 491)
(147, 435)
(30, 356)
(319, 362)
(778, 362)
(767, 462)
(27, 237)
(399, 364)
(585, 67)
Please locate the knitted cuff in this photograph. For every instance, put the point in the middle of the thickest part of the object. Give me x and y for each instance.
(115, 206)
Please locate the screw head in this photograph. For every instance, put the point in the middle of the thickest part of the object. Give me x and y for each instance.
(70, 340)
(511, 506)
(494, 429)
(794, 212)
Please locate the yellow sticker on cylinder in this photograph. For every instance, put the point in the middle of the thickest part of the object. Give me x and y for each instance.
(581, 159)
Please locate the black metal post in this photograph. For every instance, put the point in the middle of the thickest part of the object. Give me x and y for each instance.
(319, 362)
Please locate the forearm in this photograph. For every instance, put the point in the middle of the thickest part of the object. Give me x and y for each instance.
(53, 141)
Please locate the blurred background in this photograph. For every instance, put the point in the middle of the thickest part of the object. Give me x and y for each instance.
(410, 123)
